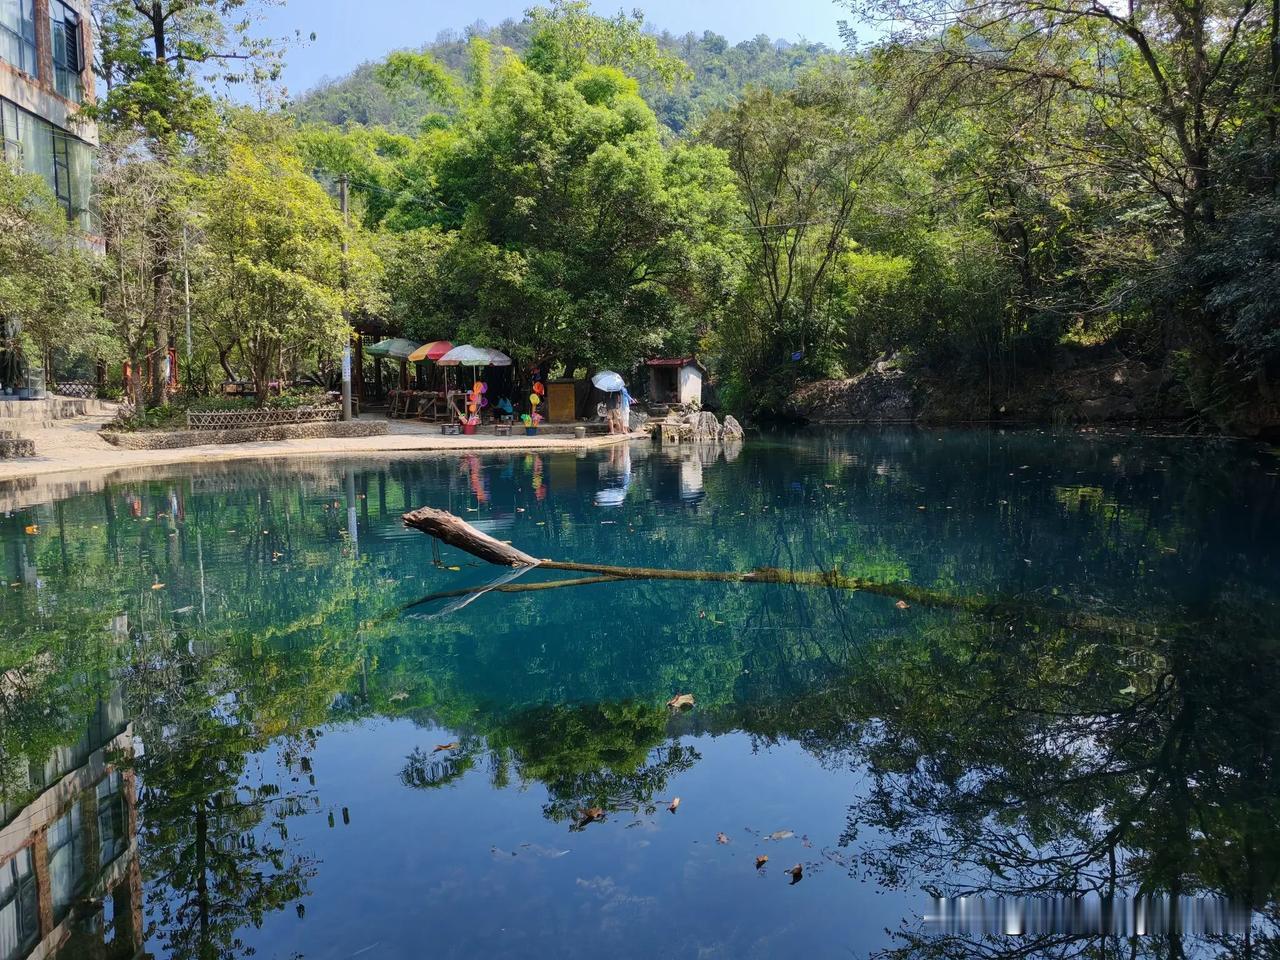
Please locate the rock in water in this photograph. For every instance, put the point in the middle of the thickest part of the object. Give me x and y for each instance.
(704, 426)
(732, 429)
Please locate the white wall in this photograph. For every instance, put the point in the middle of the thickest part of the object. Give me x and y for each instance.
(690, 384)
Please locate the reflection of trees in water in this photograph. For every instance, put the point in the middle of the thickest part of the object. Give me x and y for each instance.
(1010, 760)
(222, 774)
(608, 755)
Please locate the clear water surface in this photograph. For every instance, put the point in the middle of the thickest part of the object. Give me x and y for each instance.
(232, 726)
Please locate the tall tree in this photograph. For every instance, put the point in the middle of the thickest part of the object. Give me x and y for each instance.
(801, 158)
(45, 276)
(1164, 84)
(154, 58)
(274, 277)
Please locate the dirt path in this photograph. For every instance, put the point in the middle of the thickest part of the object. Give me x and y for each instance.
(75, 446)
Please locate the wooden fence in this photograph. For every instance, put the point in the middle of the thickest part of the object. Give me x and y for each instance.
(238, 419)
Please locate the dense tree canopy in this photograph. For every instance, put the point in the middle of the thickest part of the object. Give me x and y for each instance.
(993, 192)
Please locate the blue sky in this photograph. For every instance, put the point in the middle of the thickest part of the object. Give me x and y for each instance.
(349, 32)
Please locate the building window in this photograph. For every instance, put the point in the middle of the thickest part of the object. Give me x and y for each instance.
(68, 54)
(18, 34)
(66, 861)
(19, 906)
(113, 836)
(33, 145)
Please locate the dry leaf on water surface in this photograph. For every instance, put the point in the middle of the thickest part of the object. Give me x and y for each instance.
(780, 835)
(721, 838)
(32, 530)
(400, 695)
(681, 701)
(675, 805)
(157, 586)
(902, 605)
(761, 861)
(796, 873)
(589, 815)
(445, 746)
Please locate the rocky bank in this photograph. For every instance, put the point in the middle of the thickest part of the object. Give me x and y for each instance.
(1082, 387)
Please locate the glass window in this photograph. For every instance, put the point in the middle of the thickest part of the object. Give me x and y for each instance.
(18, 34)
(68, 54)
(112, 831)
(66, 861)
(65, 162)
(19, 906)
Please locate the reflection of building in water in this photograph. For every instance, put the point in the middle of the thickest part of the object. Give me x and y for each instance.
(70, 886)
(677, 471)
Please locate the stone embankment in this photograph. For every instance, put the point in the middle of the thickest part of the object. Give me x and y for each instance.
(173, 439)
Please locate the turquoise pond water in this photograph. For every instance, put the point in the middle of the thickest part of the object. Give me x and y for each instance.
(231, 726)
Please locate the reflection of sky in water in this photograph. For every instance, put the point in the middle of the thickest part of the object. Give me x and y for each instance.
(276, 590)
(473, 874)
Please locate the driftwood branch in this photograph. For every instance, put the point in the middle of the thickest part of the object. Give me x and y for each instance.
(458, 533)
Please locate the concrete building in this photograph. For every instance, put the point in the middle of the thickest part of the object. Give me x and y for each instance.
(674, 380)
(46, 57)
(70, 880)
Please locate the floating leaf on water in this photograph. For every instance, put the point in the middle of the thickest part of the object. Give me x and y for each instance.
(157, 586)
(1129, 689)
(902, 605)
(722, 838)
(445, 746)
(454, 569)
(32, 529)
(398, 695)
(589, 815)
(761, 861)
(796, 873)
(681, 701)
(780, 835)
(675, 805)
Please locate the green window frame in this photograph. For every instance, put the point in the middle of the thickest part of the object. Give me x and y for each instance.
(18, 34)
(68, 52)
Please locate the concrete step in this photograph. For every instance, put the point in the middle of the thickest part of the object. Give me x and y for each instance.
(44, 411)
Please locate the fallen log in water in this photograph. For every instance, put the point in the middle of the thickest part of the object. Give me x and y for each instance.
(458, 533)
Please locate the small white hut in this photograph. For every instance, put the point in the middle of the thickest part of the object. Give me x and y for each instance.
(675, 380)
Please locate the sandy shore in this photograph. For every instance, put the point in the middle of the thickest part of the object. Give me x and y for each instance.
(74, 446)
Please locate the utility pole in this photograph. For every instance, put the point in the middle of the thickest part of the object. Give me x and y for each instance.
(346, 350)
(186, 293)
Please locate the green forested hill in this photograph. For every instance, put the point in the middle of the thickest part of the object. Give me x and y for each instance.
(720, 72)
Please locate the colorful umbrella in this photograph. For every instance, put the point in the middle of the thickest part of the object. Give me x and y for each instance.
(396, 348)
(431, 351)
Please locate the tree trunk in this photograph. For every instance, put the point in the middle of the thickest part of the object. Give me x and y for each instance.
(458, 533)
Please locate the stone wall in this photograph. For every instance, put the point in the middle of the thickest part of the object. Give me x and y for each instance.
(170, 439)
(14, 447)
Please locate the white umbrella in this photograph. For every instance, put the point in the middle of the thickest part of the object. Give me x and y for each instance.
(466, 356)
(497, 358)
(608, 381)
